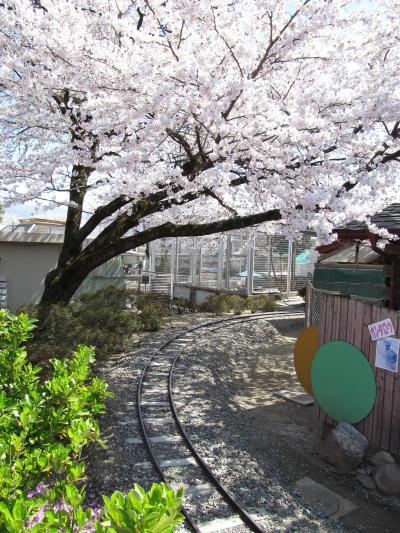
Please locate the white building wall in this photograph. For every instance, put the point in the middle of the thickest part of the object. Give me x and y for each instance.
(25, 266)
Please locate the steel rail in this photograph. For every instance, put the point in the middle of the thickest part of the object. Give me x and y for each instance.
(228, 497)
(154, 459)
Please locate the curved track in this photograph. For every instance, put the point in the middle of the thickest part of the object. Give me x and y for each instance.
(161, 367)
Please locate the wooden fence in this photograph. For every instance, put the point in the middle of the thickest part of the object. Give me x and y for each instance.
(347, 320)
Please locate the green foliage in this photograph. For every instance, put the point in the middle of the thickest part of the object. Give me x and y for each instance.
(44, 426)
(144, 298)
(105, 319)
(217, 304)
(151, 316)
(237, 304)
(224, 302)
(261, 302)
(100, 319)
(157, 511)
(179, 306)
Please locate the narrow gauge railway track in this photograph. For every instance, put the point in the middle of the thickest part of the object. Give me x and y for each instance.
(161, 365)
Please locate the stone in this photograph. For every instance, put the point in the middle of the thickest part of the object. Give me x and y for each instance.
(323, 500)
(382, 457)
(387, 478)
(344, 447)
(366, 481)
(296, 396)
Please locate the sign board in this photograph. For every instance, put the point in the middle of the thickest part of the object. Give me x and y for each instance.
(381, 329)
(387, 354)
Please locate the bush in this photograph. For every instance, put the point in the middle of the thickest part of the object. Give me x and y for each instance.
(44, 426)
(105, 319)
(180, 306)
(155, 511)
(151, 316)
(223, 303)
(217, 304)
(261, 302)
(159, 298)
(237, 304)
(158, 511)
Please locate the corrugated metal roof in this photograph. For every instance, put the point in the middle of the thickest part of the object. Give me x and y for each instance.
(348, 255)
(31, 238)
(388, 218)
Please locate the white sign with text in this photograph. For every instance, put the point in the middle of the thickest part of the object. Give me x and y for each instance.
(381, 329)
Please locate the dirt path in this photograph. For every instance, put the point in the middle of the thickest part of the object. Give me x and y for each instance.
(286, 436)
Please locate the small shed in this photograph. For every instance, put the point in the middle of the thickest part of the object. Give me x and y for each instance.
(353, 270)
(29, 250)
(354, 265)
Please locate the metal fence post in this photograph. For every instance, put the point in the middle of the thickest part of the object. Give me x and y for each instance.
(176, 259)
(250, 265)
(200, 261)
(192, 263)
(308, 302)
(289, 267)
(220, 261)
(228, 261)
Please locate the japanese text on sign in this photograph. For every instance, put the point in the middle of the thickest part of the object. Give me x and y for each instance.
(381, 329)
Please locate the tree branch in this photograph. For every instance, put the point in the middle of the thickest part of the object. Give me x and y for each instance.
(96, 257)
(100, 214)
(275, 40)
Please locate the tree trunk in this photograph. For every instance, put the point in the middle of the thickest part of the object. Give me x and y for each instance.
(60, 286)
(75, 264)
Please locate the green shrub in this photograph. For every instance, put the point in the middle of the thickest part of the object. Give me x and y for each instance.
(44, 427)
(217, 304)
(151, 316)
(261, 302)
(113, 297)
(157, 511)
(252, 303)
(159, 298)
(269, 303)
(237, 303)
(224, 302)
(179, 306)
(103, 319)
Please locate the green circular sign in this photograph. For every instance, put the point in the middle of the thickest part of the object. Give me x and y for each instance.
(343, 382)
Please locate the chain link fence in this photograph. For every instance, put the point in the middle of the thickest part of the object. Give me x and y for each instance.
(353, 291)
(247, 261)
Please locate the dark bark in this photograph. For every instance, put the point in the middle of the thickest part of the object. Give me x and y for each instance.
(62, 282)
(60, 286)
(73, 245)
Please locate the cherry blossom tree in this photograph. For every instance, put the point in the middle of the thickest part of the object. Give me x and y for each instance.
(151, 118)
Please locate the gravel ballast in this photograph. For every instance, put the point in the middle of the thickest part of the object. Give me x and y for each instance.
(225, 386)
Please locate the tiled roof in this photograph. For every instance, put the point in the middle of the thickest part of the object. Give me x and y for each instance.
(388, 218)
